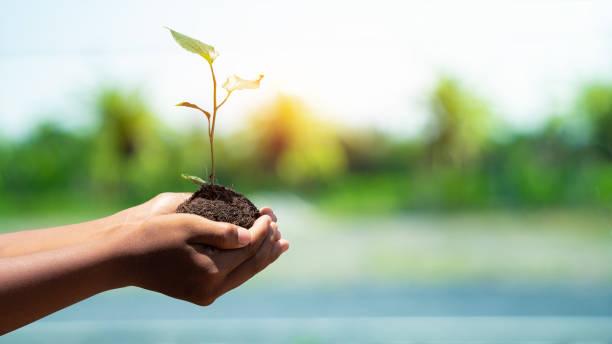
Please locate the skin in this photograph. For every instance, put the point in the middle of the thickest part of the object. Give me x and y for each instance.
(149, 246)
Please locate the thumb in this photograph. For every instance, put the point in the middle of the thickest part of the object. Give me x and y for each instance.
(221, 235)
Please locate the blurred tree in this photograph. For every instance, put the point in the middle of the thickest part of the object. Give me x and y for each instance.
(133, 156)
(460, 125)
(366, 150)
(595, 103)
(288, 141)
(4, 157)
(129, 156)
(51, 159)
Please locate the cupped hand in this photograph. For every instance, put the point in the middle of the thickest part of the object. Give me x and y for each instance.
(163, 204)
(181, 255)
(194, 259)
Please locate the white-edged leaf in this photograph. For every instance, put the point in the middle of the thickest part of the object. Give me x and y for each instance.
(193, 45)
(237, 83)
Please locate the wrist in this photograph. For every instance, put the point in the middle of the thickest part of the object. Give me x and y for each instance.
(119, 246)
(135, 215)
(123, 233)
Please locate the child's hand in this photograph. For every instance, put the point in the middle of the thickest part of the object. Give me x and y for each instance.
(181, 255)
(163, 204)
(191, 258)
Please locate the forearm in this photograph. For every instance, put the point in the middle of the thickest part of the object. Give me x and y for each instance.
(27, 242)
(31, 241)
(38, 284)
(38, 240)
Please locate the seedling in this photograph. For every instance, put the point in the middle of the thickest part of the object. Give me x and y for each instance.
(233, 83)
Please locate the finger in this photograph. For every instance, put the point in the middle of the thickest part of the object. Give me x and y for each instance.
(167, 202)
(221, 235)
(268, 211)
(277, 233)
(261, 230)
(177, 199)
(181, 197)
(268, 253)
(284, 245)
(169, 198)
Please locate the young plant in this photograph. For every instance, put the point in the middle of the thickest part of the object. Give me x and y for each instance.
(233, 83)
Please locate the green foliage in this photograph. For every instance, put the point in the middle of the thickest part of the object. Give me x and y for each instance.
(288, 142)
(460, 126)
(131, 153)
(596, 104)
(49, 160)
(128, 156)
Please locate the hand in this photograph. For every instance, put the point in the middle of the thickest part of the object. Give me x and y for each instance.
(194, 259)
(163, 204)
(181, 255)
(32, 241)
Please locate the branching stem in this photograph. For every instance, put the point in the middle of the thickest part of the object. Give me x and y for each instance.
(211, 128)
(224, 100)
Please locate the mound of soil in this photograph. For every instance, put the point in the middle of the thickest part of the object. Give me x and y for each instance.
(218, 203)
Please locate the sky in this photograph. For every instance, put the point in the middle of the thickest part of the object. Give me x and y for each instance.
(360, 63)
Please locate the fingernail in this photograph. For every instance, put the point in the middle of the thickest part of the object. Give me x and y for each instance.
(244, 236)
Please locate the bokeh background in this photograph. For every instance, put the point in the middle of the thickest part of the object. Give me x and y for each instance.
(425, 159)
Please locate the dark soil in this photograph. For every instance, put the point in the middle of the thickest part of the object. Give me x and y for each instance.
(218, 203)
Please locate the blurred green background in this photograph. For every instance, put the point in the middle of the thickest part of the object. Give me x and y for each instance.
(462, 162)
(474, 183)
(447, 172)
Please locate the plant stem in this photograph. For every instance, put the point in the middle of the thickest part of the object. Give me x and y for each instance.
(224, 100)
(212, 131)
(212, 152)
(209, 128)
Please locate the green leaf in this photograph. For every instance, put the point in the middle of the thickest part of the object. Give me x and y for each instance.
(196, 180)
(235, 82)
(193, 106)
(193, 45)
